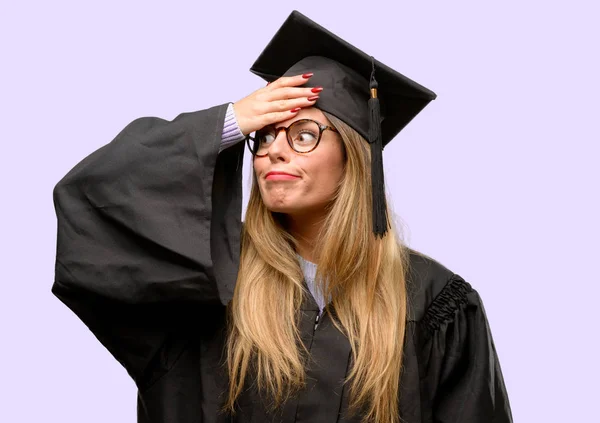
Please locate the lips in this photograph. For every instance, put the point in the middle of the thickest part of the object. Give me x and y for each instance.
(276, 175)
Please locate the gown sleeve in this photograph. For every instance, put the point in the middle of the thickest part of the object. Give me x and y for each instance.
(148, 236)
(461, 375)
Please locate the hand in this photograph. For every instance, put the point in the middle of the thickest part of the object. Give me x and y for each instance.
(278, 101)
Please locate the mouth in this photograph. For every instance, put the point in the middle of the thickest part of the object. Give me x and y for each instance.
(280, 176)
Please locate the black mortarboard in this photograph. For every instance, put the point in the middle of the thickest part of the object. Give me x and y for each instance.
(372, 98)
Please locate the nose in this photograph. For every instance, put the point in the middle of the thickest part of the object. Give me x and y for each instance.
(279, 150)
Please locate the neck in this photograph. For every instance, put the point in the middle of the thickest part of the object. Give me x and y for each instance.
(305, 229)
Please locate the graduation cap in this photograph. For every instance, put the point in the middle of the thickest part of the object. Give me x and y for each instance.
(373, 99)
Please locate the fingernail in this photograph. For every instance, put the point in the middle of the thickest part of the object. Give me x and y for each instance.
(297, 109)
(313, 98)
(268, 83)
(317, 89)
(307, 75)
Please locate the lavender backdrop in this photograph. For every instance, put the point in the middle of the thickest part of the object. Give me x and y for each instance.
(497, 178)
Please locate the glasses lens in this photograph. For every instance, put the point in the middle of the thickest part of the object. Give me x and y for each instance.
(263, 139)
(304, 135)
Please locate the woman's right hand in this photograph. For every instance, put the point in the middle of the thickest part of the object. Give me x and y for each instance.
(278, 101)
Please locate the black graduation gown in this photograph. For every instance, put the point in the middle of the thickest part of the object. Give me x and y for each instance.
(147, 256)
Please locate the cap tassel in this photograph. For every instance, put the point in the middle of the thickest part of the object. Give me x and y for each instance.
(380, 220)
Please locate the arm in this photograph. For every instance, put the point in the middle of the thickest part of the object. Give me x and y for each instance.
(148, 229)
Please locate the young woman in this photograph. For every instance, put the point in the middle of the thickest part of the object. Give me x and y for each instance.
(311, 311)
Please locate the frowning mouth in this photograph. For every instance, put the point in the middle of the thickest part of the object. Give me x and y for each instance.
(280, 176)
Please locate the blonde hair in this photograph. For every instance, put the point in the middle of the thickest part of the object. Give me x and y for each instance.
(366, 281)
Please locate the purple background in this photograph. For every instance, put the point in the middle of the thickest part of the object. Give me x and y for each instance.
(497, 178)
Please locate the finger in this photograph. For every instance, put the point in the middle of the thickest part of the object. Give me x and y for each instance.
(271, 118)
(289, 81)
(289, 104)
(288, 93)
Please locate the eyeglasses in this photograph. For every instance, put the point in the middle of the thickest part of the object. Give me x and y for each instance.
(303, 136)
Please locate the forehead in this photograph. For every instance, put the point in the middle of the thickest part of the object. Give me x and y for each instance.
(308, 113)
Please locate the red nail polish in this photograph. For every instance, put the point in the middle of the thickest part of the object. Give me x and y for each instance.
(313, 98)
(317, 89)
(307, 75)
(297, 109)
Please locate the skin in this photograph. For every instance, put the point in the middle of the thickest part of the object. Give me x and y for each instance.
(302, 199)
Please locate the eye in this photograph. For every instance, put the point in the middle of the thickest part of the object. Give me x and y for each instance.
(267, 139)
(266, 136)
(306, 137)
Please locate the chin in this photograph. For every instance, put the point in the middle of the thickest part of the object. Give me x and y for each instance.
(294, 208)
(285, 206)
(280, 202)
(291, 204)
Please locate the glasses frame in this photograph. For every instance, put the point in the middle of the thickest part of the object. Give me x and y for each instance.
(322, 128)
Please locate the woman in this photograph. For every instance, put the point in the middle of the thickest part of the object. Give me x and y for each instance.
(313, 311)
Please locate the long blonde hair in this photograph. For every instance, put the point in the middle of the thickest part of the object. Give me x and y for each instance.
(366, 282)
